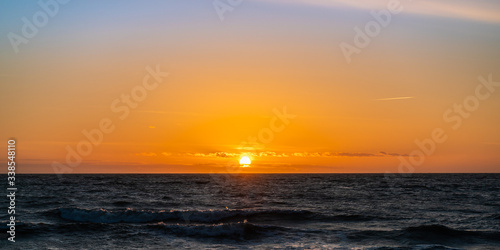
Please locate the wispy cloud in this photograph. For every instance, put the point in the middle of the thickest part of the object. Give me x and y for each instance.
(480, 10)
(395, 98)
(271, 154)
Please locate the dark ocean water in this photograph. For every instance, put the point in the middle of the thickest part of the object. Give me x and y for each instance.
(342, 211)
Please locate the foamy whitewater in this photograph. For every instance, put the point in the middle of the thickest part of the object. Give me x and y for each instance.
(344, 211)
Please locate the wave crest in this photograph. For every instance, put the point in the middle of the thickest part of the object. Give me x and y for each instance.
(238, 230)
(203, 216)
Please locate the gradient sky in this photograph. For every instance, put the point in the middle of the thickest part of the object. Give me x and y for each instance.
(226, 78)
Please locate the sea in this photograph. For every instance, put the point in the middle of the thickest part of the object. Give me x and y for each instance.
(255, 211)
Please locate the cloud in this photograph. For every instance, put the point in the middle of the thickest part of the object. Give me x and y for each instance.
(392, 154)
(479, 10)
(211, 155)
(221, 154)
(356, 154)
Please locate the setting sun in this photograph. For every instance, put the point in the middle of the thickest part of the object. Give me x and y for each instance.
(245, 160)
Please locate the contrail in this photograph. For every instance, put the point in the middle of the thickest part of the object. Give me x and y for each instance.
(395, 98)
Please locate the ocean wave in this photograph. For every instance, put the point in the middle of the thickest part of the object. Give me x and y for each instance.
(495, 216)
(121, 203)
(352, 217)
(233, 230)
(426, 234)
(27, 229)
(238, 230)
(438, 232)
(203, 216)
(4, 226)
(435, 229)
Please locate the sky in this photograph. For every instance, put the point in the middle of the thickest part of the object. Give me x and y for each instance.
(319, 86)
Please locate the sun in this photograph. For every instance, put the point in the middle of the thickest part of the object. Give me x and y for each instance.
(245, 160)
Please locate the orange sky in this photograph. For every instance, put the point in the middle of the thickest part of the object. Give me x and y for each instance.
(230, 81)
